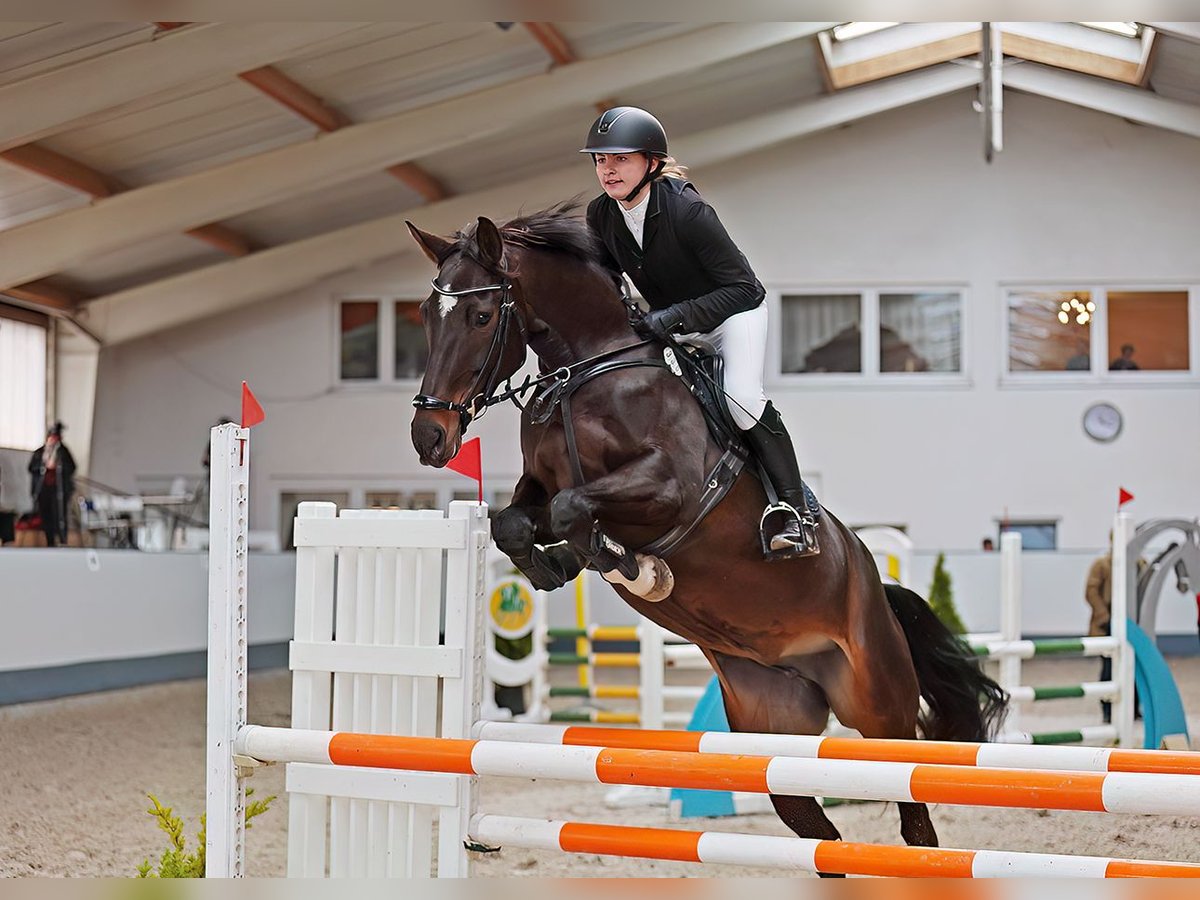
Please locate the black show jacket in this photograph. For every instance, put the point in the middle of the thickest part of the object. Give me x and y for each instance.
(686, 255)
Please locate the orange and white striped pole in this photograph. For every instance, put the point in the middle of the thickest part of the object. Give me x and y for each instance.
(1116, 792)
(948, 753)
(807, 854)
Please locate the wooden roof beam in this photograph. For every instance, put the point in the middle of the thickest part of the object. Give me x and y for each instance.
(62, 169)
(45, 246)
(552, 42)
(73, 174)
(47, 296)
(304, 103)
(54, 100)
(179, 299)
(299, 99)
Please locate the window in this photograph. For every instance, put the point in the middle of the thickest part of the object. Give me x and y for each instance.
(889, 333)
(920, 332)
(360, 340)
(380, 341)
(1035, 534)
(1148, 330)
(822, 333)
(1092, 332)
(412, 352)
(1050, 331)
(22, 381)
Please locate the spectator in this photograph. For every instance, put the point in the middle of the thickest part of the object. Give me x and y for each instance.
(987, 545)
(1125, 360)
(52, 483)
(1082, 360)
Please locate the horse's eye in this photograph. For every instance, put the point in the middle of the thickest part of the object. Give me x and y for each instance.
(482, 318)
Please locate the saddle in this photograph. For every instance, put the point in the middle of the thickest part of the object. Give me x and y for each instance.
(703, 371)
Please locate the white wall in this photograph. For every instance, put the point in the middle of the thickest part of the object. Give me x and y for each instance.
(69, 606)
(903, 198)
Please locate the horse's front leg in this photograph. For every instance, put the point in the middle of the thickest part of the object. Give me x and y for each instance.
(643, 493)
(517, 529)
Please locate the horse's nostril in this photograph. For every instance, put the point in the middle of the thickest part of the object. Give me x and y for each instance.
(429, 439)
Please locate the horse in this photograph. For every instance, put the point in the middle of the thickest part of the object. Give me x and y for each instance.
(626, 461)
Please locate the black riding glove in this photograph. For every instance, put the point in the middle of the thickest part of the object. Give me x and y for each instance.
(660, 324)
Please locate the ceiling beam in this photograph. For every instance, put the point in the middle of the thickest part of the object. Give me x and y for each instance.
(1104, 96)
(73, 174)
(177, 300)
(300, 100)
(223, 238)
(304, 103)
(57, 242)
(53, 101)
(62, 169)
(47, 296)
(552, 42)
(1187, 31)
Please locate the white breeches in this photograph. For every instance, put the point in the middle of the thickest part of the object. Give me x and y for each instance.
(741, 341)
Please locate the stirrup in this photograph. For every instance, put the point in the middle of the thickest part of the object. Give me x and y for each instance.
(782, 542)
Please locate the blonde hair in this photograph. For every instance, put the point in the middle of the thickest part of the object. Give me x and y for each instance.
(672, 169)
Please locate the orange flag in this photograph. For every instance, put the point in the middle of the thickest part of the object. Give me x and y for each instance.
(468, 461)
(252, 411)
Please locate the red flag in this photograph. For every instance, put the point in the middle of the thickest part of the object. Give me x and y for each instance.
(252, 411)
(468, 461)
(1123, 497)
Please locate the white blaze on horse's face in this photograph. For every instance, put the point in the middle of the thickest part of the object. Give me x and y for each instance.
(446, 304)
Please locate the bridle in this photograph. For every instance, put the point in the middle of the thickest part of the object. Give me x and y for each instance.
(480, 397)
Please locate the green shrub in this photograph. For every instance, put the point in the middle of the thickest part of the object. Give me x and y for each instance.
(941, 598)
(176, 861)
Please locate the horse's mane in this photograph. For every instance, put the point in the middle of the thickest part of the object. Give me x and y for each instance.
(557, 229)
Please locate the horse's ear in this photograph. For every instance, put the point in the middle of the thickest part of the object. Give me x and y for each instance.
(436, 248)
(491, 245)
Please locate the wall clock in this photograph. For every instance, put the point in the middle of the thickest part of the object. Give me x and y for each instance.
(1102, 422)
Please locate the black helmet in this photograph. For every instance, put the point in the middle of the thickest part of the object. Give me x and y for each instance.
(627, 129)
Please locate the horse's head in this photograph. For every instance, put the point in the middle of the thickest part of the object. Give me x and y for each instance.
(475, 328)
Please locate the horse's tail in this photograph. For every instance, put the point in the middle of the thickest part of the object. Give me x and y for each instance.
(962, 703)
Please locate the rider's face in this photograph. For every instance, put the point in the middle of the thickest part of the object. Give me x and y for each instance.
(619, 173)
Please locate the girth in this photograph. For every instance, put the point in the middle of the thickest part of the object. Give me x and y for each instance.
(558, 395)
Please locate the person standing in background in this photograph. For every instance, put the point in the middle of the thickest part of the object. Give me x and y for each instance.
(52, 483)
(1099, 597)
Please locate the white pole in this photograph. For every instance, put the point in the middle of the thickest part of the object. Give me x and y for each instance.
(651, 667)
(1010, 616)
(466, 594)
(1123, 659)
(225, 800)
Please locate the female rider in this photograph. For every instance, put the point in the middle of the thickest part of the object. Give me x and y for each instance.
(662, 234)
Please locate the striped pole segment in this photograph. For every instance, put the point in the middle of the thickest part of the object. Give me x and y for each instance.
(1086, 646)
(596, 633)
(599, 660)
(997, 755)
(848, 779)
(1087, 734)
(1097, 690)
(806, 854)
(623, 692)
(596, 716)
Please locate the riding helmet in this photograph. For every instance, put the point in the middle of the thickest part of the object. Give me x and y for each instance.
(627, 129)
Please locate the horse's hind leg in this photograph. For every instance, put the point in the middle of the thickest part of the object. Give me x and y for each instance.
(873, 693)
(777, 701)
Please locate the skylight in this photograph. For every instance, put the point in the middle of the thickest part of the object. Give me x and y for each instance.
(848, 30)
(1125, 29)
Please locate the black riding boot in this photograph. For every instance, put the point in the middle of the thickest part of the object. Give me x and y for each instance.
(784, 534)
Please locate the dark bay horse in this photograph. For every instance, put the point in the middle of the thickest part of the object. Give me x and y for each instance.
(789, 640)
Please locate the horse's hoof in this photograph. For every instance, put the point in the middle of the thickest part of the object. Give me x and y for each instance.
(654, 582)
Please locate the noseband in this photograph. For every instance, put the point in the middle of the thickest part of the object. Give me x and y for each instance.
(480, 395)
